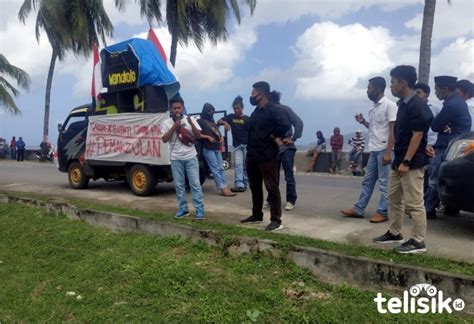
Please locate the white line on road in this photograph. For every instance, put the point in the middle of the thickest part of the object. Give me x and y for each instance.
(14, 184)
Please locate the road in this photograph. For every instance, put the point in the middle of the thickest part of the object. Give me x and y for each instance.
(317, 212)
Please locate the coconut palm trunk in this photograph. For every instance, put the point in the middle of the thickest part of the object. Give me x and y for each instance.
(47, 99)
(425, 43)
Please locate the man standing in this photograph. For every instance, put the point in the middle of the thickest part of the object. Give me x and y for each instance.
(423, 90)
(382, 116)
(405, 192)
(288, 150)
(20, 149)
(238, 123)
(337, 142)
(183, 155)
(267, 125)
(13, 148)
(453, 120)
(465, 89)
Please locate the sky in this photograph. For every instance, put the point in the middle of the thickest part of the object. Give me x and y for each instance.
(318, 54)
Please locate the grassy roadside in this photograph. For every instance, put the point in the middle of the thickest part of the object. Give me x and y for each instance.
(128, 277)
(422, 260)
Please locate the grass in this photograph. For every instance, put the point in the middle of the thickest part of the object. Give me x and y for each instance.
(422, 260)
(137, 278)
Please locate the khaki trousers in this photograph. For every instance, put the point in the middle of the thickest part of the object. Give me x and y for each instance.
(405, 195)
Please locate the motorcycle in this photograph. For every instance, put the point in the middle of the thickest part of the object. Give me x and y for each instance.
(45, 155)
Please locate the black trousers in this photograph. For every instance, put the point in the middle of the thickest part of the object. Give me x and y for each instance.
(265, 172)
(20, 154)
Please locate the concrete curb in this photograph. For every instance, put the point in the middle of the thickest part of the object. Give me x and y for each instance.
(328, 266)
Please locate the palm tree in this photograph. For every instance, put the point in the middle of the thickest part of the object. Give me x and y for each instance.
(200, 19)
(425, 43)
(72, 25)
(6, 88)
(195, 20)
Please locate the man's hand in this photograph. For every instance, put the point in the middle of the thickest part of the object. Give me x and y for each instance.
(359, 118)
(387, 158)
(430, 151)
(403, 169)
(279, 141)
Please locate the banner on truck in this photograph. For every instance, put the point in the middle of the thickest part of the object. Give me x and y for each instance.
(130, 137)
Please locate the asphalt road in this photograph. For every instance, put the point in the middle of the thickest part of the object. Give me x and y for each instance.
(317, 212)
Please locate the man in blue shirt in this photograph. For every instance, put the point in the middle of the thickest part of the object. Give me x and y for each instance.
(453, 120)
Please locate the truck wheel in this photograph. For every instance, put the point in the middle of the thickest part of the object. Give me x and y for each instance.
(142, 180)
(226, 165)
(77, 178)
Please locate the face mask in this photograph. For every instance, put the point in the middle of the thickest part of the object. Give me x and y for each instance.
(253, 100)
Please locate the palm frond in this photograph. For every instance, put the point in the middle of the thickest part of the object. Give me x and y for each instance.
(6, 100)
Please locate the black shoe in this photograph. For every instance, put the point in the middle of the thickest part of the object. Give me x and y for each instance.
(389, 238)
(238, 189)
(431, 214)
(252, 220)
(273, 226)
(450, 211)
(411, 246)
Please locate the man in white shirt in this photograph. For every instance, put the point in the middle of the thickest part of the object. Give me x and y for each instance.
(180, 131)
(382, 118)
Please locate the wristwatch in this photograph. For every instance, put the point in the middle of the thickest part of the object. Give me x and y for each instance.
(406, 162)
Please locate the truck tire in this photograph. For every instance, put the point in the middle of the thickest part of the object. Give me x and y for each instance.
(77, 177)
(142, 181)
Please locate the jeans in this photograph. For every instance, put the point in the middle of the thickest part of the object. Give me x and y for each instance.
(214, 161)
(373, 171)
(190, 169)
(266, 172)
(20, 154)
(335, 158)
(13, 154)
(240, 170)
(287, 160)
(355, 155)
(431, 196)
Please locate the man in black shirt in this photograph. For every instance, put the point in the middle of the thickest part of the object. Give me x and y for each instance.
(238, 123)
(268, 124)
(405, 185)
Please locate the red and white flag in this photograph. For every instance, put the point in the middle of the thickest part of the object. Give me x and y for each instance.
(96, 75)
(152, 37)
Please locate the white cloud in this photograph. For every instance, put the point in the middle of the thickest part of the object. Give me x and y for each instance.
(450, 21)
(332, 59)
(455, 59)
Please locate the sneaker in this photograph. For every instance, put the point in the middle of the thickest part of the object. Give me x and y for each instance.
(266, 204)
(411, 246)
(289, 206)
(181, 213)
(389, 238)
(273, 226)
(252, 220)
(200, 214)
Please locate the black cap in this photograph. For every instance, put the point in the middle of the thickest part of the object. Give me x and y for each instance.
(445, 81)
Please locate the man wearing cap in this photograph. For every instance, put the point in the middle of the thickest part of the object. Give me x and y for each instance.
(465, 89)
(381, 121)
(268, 126)
(453, 120)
